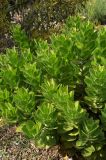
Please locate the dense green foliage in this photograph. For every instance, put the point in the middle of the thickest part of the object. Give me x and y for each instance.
(57, 94)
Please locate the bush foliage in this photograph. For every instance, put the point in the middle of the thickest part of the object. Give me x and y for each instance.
(57, 94)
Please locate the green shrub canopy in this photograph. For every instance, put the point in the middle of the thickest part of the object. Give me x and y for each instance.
(57, 94)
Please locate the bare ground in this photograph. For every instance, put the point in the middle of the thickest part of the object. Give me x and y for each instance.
(14, 146)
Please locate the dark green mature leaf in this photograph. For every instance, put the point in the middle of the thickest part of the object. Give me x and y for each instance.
(91, 138)
(29, 128)
(90, 132)
(103, 117)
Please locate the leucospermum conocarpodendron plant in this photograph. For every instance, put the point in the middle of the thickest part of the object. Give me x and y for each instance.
(57, 95)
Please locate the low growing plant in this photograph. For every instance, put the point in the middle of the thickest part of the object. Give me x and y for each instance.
(57, 94)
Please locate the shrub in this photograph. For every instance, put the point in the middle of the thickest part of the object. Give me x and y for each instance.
(96, 10)
(4, 24)
(41, 18)
(57, 95)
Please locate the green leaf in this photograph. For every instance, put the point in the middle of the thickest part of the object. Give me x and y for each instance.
(31, 74)
(88, 151)
(29, 128)
(90, 132)
(96, 87)
(9, 112)
(24, 100)
(46, 114)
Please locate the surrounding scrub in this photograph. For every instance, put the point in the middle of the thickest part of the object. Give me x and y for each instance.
(95, 10)
(57, 94)
(4, 24)
(46, 17)
(40, 18)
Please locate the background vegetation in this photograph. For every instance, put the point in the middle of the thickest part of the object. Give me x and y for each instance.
(37, 18)
(4, 24)
(95, 10)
